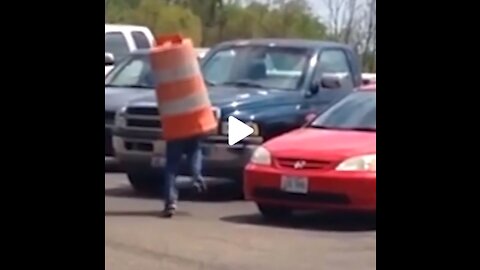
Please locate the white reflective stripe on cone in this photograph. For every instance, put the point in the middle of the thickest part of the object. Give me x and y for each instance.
(176, 74)
(186, 104)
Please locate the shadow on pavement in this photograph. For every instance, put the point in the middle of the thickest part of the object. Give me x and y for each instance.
(313, 221)
(112, 167)
(152, 213)
(214, 194)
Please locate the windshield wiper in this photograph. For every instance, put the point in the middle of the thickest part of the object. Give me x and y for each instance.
(321, 127)
(345, 128)
(140, 86)
(363, 129)
(244, 83)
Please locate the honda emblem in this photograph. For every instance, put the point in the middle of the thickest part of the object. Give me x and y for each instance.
(299, 164)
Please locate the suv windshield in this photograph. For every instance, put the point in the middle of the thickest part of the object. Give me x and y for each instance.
(134, 71)
(358, 111)
(257, 66)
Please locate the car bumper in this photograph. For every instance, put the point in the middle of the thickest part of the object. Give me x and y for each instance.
(219, 160)
(108, 142)
(329, 190)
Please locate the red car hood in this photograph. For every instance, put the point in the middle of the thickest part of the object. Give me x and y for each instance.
(321, 144)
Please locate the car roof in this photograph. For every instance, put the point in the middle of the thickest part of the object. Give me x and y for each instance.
(123, 27)
(299, 43)
(200, 51)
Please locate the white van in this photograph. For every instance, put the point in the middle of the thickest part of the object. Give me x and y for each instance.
(120, 40)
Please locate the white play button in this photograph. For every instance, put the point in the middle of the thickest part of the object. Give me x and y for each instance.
(237, 130)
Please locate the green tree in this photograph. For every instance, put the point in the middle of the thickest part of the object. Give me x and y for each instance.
(211, 21)
(160, 16)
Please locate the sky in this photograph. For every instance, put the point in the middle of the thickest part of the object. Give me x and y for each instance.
(319, 7)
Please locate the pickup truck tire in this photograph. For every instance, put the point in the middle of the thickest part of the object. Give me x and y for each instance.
(144, 183)
(274, 212)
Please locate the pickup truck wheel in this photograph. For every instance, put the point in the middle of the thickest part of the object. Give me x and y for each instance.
(145, 183)
(274, 212)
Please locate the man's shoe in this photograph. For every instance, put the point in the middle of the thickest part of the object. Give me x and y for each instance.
(200, 186)
(168, 212)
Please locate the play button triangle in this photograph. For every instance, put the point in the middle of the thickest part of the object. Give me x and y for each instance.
(237, 130)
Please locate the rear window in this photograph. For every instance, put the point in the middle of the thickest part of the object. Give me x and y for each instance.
(356, 111)
(141, 40)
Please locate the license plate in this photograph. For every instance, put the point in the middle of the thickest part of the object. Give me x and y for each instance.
(294, 184)
(156, 162)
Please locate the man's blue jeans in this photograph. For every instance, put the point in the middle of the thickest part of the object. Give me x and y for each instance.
(189, 147)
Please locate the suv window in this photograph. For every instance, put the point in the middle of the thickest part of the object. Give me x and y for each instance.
(116, 44)
(334, 61)
(219, 66)
(141, 40)
(133, 72)
(356, 111)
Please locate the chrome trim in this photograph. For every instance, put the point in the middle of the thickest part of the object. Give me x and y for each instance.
(218, 112)
(119, 146)
(219, 152)
(141, 117)
(142, 128)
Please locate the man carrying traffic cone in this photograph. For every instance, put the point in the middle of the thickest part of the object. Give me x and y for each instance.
(185, 111)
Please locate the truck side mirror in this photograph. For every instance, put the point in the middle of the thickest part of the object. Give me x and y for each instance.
(327, 81)
(109, 59)
(331, 81)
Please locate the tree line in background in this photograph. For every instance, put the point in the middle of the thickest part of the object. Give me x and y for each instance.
(208, 22)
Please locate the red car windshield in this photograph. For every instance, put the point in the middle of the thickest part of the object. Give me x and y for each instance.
(357, 111)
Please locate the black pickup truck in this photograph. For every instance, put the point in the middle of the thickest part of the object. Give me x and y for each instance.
(270, 84)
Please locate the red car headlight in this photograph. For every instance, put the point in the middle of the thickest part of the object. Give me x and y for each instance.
(261, 156)
(359, 163)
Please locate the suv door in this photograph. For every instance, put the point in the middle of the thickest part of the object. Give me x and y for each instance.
(335, 61)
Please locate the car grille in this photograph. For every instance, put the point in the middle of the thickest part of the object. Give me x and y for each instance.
(143, 118)
(301, 164)
(139, 146)
(317, 197)
(148, 117)
(142, 110)
(143, 123)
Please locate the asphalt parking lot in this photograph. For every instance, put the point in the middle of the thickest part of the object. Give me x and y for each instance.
(220, 233)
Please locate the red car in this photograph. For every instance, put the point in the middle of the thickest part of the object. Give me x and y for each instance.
(330, 164)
